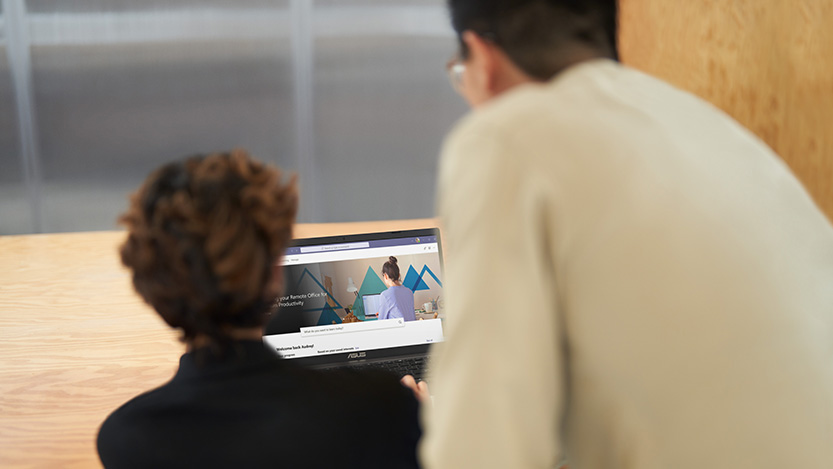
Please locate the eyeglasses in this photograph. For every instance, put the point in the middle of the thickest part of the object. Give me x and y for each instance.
(455, 69)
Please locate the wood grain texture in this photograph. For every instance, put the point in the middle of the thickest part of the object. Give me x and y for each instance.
(767, 63)
(76, 342)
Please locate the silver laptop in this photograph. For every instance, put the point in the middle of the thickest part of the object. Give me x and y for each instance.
(328, 315)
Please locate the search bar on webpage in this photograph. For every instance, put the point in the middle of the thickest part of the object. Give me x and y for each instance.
(352, 327)
(335, 247)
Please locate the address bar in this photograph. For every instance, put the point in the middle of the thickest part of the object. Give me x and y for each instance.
(335, 247)
(353, 254)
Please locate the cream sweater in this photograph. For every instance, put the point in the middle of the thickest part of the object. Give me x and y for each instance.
(633, 280)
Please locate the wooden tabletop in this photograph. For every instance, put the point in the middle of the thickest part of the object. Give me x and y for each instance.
(76, 341)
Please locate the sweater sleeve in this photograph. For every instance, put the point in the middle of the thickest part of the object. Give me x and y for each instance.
(384, 305)
(497, 380)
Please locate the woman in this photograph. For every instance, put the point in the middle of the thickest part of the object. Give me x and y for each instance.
(204, 238)
(397, 301)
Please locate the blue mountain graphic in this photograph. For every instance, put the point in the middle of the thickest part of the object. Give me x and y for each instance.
(415, 282)
(307, 272)
(328, 316)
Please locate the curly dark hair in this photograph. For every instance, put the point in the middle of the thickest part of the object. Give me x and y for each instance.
(203, 237)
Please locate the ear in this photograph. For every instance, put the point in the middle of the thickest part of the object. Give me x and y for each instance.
(482, 62)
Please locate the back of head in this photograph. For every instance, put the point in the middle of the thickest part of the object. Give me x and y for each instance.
(539, 36)
(203, 237)
(391, 268)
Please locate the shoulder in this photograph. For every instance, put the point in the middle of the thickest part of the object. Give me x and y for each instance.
(587, 115)
(516, 109)
(481, 141)
(113, 441)
(119, 433)
(593, 95)
(133, 411)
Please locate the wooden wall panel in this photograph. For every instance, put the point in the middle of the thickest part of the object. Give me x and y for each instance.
(768, 63)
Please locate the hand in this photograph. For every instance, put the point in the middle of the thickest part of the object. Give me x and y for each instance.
(420, 389)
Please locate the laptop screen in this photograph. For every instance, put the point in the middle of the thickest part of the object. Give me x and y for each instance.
(371, 304)
(336, 303)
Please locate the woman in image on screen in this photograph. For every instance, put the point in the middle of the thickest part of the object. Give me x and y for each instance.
(397, 301)
(203, 239)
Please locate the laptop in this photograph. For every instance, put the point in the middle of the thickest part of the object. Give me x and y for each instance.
(328, 315)
(372, 304)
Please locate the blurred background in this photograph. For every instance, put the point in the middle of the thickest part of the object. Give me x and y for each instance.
(351, 94)
(94, 94)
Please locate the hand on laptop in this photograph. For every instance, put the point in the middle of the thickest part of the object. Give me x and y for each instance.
(420, 389)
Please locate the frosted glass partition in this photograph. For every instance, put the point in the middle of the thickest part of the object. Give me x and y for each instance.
(97, 6)
(122, 91)
(10, 168)
(351, 94)
(378, 137)
(15, 209)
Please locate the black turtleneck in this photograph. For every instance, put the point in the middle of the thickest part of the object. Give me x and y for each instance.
(248, 408)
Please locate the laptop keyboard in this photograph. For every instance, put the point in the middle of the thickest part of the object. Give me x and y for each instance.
(414, 366)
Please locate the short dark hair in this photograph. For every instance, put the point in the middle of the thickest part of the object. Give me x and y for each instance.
(203, 235)
(534, 33)
(391, 269)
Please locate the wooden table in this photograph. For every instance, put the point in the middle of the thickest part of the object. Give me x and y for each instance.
(76, 341)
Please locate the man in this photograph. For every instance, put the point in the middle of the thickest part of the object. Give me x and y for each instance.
(634, 279)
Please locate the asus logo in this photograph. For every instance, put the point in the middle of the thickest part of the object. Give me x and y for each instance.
(353, 356)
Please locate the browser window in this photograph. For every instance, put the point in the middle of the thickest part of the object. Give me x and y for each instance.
(336, 301)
